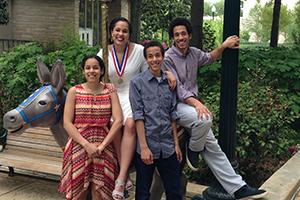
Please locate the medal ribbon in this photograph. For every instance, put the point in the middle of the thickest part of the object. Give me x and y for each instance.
(120, 68)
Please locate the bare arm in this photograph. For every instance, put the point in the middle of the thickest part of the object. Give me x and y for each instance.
(175, 137)
(146, 154)
(72, 131)
(117, 122)
(171, 79)
(231, 42)
(200, 107)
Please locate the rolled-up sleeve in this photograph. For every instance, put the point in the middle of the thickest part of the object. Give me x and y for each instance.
(174, 115)
(182, 93)
(135, 99)
(204, 58)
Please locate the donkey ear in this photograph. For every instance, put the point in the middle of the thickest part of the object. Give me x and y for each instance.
(58, 76)
(43, 72)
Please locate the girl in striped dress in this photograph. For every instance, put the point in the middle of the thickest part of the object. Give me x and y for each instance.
(89, 160)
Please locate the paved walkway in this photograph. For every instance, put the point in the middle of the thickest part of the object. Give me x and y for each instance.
(25, 187)
(21, 187)
(282, 185)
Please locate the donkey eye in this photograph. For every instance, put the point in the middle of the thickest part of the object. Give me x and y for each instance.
(42, 103)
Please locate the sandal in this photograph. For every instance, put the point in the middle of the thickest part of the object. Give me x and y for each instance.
(129, 184)
(118, 192)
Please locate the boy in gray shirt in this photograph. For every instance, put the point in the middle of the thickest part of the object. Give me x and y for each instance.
(153, 105)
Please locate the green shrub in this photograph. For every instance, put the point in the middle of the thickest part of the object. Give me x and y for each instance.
(278, 68)
(267, 109)
(209, 37)
(264, 132)
(18, 74)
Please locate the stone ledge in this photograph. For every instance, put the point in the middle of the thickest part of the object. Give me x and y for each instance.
(193, 189)
(284, 182)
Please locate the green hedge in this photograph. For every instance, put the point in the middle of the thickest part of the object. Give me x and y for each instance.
(268, 109)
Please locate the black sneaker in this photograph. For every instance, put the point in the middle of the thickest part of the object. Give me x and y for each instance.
(247, 192)
(192, 158)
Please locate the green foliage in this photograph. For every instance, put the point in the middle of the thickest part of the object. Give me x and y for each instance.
(217, 26)
(3, 12)
(71, 57)
(268, 99)
(264, 121)
(18, 76)
(209, 38)
(16, 72)
(218, 5)
(295, 30)
(244, 36)
(17, 69)
(260, 20)
(277, 67)
(157, 15)
(268, 108)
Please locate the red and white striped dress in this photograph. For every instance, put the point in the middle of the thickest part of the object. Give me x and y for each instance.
(92, 117)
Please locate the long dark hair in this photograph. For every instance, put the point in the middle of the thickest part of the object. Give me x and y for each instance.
(112, 25)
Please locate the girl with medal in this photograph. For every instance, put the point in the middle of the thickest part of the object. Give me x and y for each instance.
(125, 60)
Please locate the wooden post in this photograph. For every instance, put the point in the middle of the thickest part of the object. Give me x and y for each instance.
(135, 18)
(104, 43)
(197, 10)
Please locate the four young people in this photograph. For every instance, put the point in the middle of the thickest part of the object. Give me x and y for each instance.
(142, 92)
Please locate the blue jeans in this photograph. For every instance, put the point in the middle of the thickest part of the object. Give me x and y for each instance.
(169, 170)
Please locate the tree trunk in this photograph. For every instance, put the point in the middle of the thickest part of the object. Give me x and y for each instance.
(197, 10)
(275, 24)
(135, 18)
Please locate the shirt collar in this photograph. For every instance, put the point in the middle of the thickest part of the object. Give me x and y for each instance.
(178, 53)
(150, 76)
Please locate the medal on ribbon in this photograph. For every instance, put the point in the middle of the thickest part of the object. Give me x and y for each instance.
(120, 67)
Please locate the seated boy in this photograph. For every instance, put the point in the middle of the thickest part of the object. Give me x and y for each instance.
(153, 105)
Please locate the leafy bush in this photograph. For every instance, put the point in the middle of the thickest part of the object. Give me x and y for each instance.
(278, 68)
(296, 25)
(267, 109)
(209, 38)
(264, 119)
(18, 74)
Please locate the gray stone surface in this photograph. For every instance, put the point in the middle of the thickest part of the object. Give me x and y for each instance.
(20, 187)
(28, 187)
